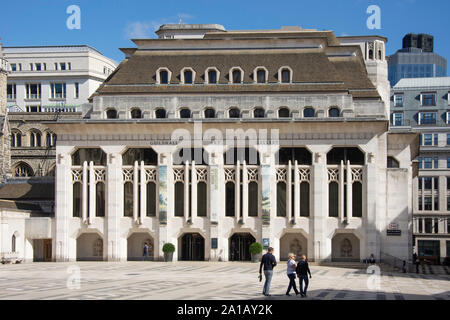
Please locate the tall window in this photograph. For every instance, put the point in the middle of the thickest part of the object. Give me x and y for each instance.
(13, 243)
(11, 91)
(333, 199)
(281, 199)
(16, 139)
(100, 199)
(76, 200)
(304, 199)
(188, 77)
(398, 100)
(357, 199)
(128, 199)
(77, 90)
(151, 199)
(230, 195)
(202, 199)
(397, 119)
(58, 90)
(33, 91)
(179, 199)
(35, 139)
(50, 139)
(163, 77)
(253, 199)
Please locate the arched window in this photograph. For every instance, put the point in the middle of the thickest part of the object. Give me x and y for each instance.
(261, 76)
(13, 243)
(16, 139)
(258, 113)
(148, 155)
(230, 195)
(333, 199)
(35, 138)
(392, 163)
(89, 154)
(179, 199)
(234, 113)
(212, 76)
(371, 54)
(111, 114)
(236, 75)
(136, 113)
(185, 113)
(210, 113)
(284, 113)
(76, 200)
(380, 55)
(22, 170)
(253, 199)
(281, 199)
(285, 75)
(128, 199)
(202, 197)
(160, 113)
(333, 113)
(50, 139)
(163, 76)
(308, 113)
(100, 199)
(151, 199)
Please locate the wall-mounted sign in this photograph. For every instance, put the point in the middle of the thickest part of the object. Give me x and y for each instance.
(393, 226)
(394, 232)
(266, 243)
(213, 243)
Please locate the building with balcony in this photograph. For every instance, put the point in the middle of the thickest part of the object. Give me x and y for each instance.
(416, 59)
(423, 105)
(46, 83)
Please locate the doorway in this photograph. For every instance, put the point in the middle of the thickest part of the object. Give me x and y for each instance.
(239, 249)
(192, 247)
(48, 250)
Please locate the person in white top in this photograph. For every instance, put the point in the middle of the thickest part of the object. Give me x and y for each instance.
(291, 266)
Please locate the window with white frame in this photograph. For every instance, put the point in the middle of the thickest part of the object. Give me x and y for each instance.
(33, 91)
(260, 75)
(77, 90)
(236, 75)
(187, 76)
(58, 90)
(398, 100)
(428, 99)
(163, 76)
(397, 119)
(285, 75)
(427, 118)
(447, 118)
(212, 75)
(429, 139)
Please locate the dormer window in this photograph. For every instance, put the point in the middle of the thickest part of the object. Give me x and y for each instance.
(283, 113)
(260, 75)
(285, 75)
(187, 76)
(428, 99)
(212, 75)
(163, 76)
(237, 75)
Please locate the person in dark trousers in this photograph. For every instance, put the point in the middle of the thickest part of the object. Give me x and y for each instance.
(145, 252)
(302, 271)
(269, 262)
(291, 267)
(416, 261)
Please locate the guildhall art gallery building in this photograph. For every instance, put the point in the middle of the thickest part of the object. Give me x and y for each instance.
(212, 139)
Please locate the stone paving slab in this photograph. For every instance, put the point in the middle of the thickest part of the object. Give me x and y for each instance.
(207, 280)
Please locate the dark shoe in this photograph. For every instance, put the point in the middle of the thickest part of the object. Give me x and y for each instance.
(268, 295)
(287, 294)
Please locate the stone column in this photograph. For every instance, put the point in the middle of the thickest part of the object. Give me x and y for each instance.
(237, 191)
(92, 198)
(296, 210)
(186, 191)
(341, 191)
(143, 190)
(193, 199)
(370, 208)
(244, 192)
(289, 192)
(116, 246)
(85, 194)
(349, 191)
(63, 250)
(135, 192)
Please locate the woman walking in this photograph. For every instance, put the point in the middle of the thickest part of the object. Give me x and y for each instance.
(291, 266)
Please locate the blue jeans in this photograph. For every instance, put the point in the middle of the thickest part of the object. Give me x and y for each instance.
(268, 275)
(292, 283)
(302, 278)
(145, 255)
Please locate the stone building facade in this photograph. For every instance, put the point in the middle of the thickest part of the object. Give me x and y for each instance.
(5, 160)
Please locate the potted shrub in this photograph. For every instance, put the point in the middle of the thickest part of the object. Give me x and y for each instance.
(168, 250)
(255, 250)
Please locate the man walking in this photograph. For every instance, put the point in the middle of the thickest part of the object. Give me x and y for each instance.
(269, 262)
(145, 252)
(302, 272)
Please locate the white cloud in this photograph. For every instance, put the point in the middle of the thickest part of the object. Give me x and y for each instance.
(146, 29)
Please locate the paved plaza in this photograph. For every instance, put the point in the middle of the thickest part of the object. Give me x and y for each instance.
(207, 280)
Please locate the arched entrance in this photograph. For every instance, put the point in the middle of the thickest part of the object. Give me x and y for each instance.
(89, 247)
(239, 247)
(345, 247)
(192, 247)
(135, 246)
(293, 242)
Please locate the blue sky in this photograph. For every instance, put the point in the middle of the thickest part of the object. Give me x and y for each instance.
(108, 25)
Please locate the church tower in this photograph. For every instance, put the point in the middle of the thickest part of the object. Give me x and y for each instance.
(5, 147)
